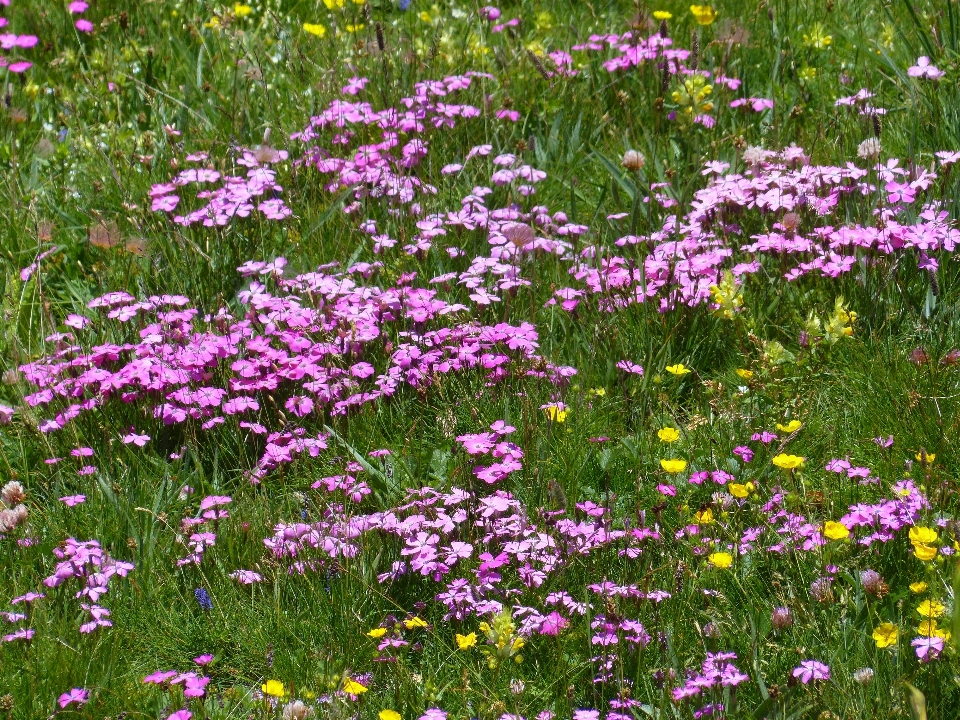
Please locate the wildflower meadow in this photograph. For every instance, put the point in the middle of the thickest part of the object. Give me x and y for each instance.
(399, 360)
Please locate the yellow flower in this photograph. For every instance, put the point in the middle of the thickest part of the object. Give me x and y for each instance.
(352, 687)
(678, 369)
(728, 295)
(885, 635)
(922, 535)
(704, 517)
(930, 609)
(807, 73)
(377, 632)
(425, 16)
(818, 38)
(333, 4)
(598, 392)
(662, 14)
(721, 560)
(673, 466)
(926, 553)
(927, 458)
(790, 427)
(668, 434)
(833, 530)
(389, 715)
(465, 642)
(928, 628)
(315, 29)
(415, 622)
(703, 14)
(273, 688)
(739, 490)
(787, 462)
(745, 374)
(241, 10)
(213, 23)
(355, 28)
(918, 587)
(692, 97)
(556, 413)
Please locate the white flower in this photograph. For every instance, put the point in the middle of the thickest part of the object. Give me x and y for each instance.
(869, 148)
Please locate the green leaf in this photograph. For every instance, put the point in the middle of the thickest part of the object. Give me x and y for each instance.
(916, 701)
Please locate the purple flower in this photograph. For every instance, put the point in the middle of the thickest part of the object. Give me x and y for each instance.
(810, 670)
(928, 648)
(77, 695)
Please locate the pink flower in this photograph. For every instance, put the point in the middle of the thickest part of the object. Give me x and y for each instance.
(84, 26)
(77, 6)
(810, 670)
(138, 440)
(183, 714)
(72, 500)
(77, 695)
(923, 68)
(246, 577)
(203, 659)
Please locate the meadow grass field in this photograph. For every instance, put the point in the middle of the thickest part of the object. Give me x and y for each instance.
(410, 361)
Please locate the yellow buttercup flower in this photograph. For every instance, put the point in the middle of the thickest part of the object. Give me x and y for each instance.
(790, 427)
(704, 517)
(274, 688)
(334, 4)
(833, 530)
(213, 23)
(885, 635)
(740, 490)
(678, 369)
(314, 29)
(389, 715)
(355, 28)
(662, 14)
(241, 10)
(922, 535)
(918, 587)
(926, 553)
(745, 374)
(668, 434)
(673, 466)
(377, 632)
(722, 560)
(415, 622)
(928, 628)
(556, 413)
(465, 642)
(931, 609)
(787, 462)
(703, 14)
(352, 687)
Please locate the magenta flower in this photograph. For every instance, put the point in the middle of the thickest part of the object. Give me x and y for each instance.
(183, 714)
(203, 659)
(811, 670)
(84, 26)
(76, 695)
(72, 500)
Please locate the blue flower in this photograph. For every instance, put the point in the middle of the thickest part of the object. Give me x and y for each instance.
(404, 4)
(203, 597)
